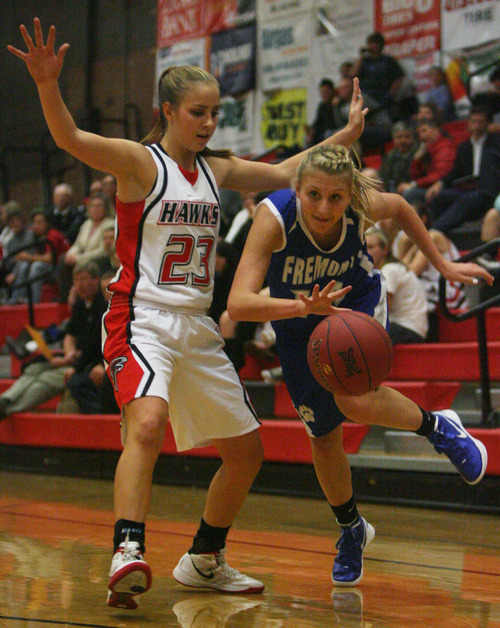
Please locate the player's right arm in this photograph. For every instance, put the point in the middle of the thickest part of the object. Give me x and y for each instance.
(129, 162)
(247, 303)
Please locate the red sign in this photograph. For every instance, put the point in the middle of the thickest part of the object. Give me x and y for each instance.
(190, 19)
(178, 20)
(410, 27)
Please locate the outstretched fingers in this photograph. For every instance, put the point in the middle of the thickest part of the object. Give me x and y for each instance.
(38, 32)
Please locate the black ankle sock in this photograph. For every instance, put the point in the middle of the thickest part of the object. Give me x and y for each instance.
(208, 539)
(346, 514)
(136, 532)
(428, 423)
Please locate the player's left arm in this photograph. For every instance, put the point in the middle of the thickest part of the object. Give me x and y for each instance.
(244, 175)
(384, 205)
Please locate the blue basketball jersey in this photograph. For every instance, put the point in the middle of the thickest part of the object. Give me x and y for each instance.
(296, 268)
(301, 263)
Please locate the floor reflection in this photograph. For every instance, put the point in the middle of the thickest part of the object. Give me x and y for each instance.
(423, 568)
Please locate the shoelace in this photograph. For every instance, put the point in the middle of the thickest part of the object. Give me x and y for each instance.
(347, 540)
(131, 553)
(224, 568)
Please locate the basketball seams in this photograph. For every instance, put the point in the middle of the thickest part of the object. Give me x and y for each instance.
(375, 325)
(330, 357)
(359, 347)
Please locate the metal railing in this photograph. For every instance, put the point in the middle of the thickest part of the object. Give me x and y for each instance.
(489, 416)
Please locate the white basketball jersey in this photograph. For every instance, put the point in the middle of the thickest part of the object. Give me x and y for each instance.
(166, 243)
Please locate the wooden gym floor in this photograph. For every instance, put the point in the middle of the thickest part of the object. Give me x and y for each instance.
(424, 568)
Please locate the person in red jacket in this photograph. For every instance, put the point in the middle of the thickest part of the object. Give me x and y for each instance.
(432, 161)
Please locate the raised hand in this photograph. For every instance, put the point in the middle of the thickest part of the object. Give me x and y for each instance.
(357, 111)
(320, 301)
(41, 60)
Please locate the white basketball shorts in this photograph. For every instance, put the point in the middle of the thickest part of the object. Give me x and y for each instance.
(178, 357)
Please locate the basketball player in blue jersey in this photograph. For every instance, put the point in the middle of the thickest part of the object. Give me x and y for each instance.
(309, 242)
(164, 354)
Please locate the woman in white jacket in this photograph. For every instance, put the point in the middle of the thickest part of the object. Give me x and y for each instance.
(88, 244)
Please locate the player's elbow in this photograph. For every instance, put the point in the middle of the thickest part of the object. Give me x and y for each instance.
(234, 309)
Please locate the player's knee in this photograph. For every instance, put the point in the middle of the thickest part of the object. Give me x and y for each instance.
(249, 460)
(324, 445)
(148, 430)
(355, 407)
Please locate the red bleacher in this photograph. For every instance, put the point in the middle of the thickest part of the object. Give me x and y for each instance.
(429, 374)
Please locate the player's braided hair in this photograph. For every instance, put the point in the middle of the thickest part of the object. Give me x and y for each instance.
(335, 160)
(173, 85)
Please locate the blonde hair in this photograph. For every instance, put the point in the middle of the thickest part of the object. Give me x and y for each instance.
(335, 160)
(175, 82)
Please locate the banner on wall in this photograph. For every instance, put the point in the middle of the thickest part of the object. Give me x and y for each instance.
(178, 20)
(284, 52)
(269, 9)
(190, 52)
(339, 31)
(412, 35)
(409, 31)
(284, 118)
(224, 14)
(232, 59)
(467, 24)
(235, 129)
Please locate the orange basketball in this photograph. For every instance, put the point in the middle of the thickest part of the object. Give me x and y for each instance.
(349, 353)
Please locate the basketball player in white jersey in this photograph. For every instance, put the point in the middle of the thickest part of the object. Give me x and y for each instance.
(163, 354)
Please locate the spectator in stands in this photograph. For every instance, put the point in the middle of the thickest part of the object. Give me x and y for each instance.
(240, 226)
(439, 94)
(405, 294)
(63, 215)
(380, 75)
(109, 191)
(108, 261)
(15, 269)
(378, 123)
(490, 229)
(396, 164)
(88, 244)
(95, 187)
(323, 121)
(345, 69)
(431, 162)
(428, 112)
(43, 379)
(410, 254)
(48, 246)
(490, 99)
(6, 232)
(469, 189)
(86, 378)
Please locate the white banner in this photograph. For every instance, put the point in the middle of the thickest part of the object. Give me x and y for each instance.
(235, 129)
(188, 52)
(340, 29)
(269, 9)
(467, 24)
(284, 48)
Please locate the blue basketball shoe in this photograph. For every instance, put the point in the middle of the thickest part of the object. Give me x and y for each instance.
(467, 454)
(348, 564)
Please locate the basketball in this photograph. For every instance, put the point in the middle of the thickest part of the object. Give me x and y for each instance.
(349, 353)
